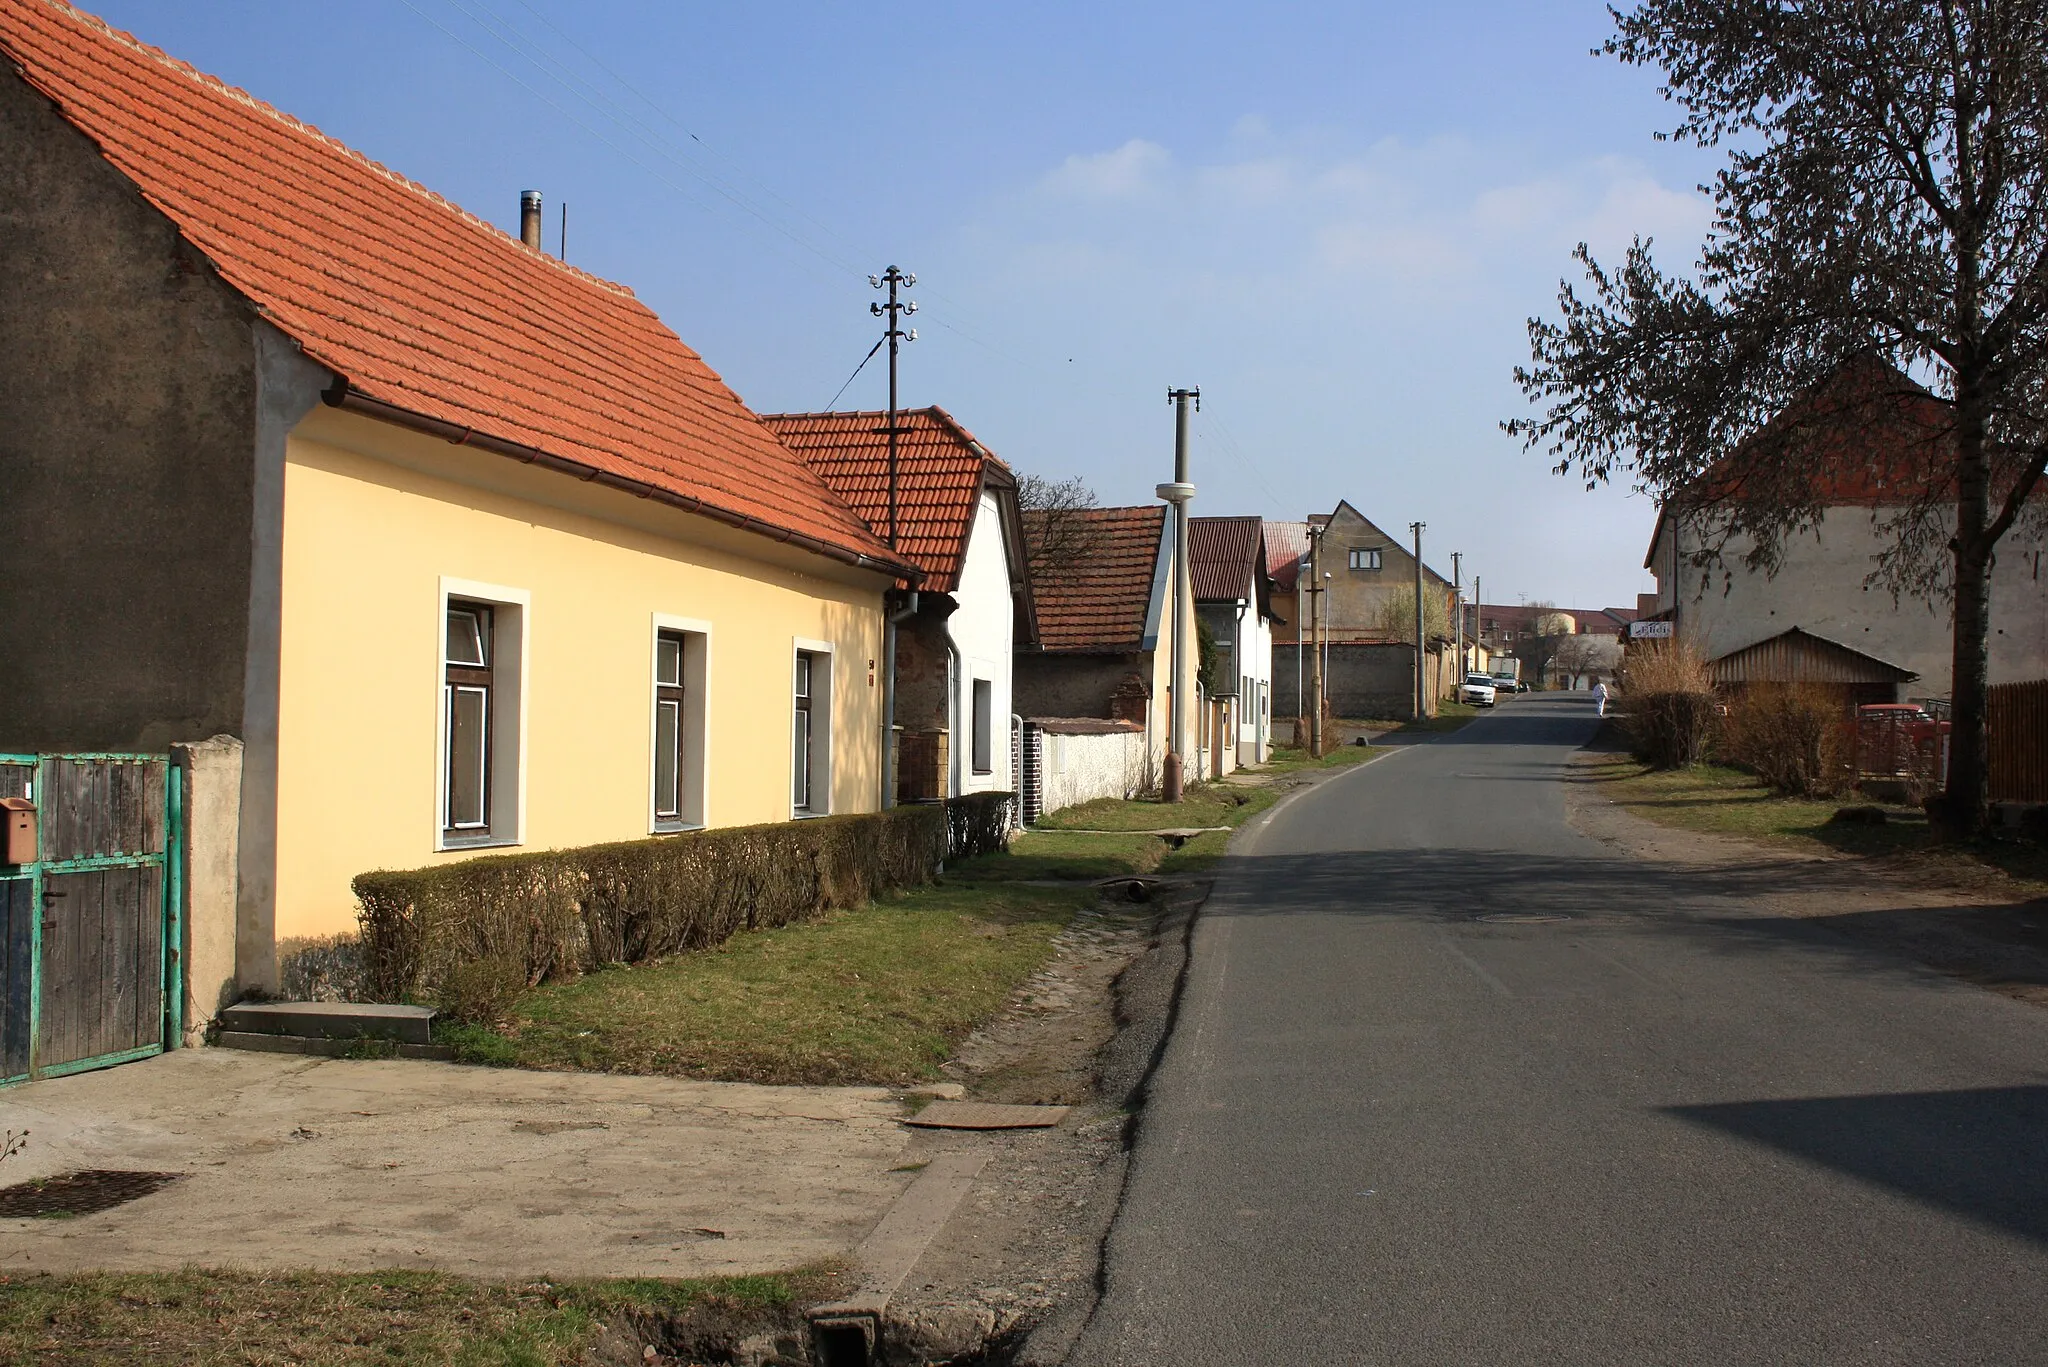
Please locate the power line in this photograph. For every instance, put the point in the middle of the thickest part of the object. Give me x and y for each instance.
(856, 372)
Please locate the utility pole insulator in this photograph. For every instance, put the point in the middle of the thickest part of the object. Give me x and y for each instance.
(893, 280)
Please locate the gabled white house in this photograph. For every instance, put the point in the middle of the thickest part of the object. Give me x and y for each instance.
(955, 640)
(1233, 598)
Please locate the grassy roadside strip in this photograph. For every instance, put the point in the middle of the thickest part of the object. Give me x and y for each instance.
(877, 995)
(1068, 836)
(214, 1319)
(1727, 801)
(1290, 761)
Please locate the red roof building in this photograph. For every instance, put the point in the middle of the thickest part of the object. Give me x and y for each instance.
(463, 547)
(1103, 601)
(424, 314)
(958, 521)
(941, 474)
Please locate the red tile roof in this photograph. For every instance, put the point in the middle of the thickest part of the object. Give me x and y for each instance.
(1099, 602)
(421, 307)
(939, 472)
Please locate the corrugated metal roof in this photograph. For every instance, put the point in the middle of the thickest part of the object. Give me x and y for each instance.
(1224, 556)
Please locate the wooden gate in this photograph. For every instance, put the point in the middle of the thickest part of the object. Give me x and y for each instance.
(89, 929)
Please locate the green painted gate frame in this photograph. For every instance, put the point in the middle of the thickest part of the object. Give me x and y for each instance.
(170, 959)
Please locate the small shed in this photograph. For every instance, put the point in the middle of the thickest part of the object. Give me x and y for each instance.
(1800, 657)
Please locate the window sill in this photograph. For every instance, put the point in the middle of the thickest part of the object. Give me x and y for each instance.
(480, 842)
(674, 827)
(804, 814)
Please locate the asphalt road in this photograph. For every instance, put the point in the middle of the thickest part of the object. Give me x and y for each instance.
(1662, 1130)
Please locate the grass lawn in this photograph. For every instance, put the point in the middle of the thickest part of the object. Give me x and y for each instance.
(878, 995)
(1732, 802)
(1290, 761)
(213, 1319)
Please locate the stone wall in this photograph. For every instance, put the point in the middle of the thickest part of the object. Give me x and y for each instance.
(1365, 680)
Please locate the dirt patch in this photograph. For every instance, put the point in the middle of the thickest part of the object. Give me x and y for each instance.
(1023, 1248)
(1910, 905)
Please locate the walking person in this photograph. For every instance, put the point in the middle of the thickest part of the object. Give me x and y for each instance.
(1600, 698)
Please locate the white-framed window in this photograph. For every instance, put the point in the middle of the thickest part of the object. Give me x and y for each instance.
(984, 726)
(481, 788)
(1365, 560)
(811, 730)
(679, 729)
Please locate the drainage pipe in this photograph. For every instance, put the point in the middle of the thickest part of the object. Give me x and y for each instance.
(956, 677)
(888, 765)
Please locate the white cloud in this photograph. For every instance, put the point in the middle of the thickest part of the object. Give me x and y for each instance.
(1132, 169)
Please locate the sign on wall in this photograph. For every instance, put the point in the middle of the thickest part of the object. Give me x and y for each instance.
(1647, 631)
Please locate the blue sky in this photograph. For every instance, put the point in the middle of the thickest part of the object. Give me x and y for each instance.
(1334, 219)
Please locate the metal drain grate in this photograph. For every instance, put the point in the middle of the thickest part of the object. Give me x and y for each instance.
(1521, 918)
(79, 1193)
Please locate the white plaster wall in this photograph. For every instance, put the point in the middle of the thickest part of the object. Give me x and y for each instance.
(1255, 712)
(983, 627)
(1079, 769)
(1819, 588)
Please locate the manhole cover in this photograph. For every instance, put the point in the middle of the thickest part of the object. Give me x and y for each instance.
(984, 1115)
(1521, 918)
(79, 1193)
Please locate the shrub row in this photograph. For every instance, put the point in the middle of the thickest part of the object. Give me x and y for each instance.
(979, 823)
(473, 934)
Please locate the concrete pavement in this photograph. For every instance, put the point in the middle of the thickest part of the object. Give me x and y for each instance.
(1625, 1120)
(349, 1165)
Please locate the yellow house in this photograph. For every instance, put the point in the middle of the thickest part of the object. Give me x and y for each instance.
(465, 548)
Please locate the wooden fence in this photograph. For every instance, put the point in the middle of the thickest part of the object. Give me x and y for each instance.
(2017, 724)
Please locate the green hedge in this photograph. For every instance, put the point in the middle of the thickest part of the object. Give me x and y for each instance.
(469, 935)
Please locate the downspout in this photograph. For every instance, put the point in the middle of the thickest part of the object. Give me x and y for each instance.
(888, 766)
(956, 675)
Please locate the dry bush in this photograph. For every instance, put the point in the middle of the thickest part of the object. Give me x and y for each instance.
(1667, 704)
(1795, 737)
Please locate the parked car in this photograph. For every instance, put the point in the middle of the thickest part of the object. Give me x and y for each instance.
(1507, 683)
(1478, 691)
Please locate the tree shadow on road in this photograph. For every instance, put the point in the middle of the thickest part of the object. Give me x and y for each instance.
(1980, 1152)
(1820, 910)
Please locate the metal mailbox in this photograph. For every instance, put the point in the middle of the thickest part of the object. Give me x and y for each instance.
(17, 830)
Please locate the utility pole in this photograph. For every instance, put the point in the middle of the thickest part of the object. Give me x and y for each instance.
(1458, 608)
(1421, 643)
(895, 312)
(1178, 493)
(1315, 649)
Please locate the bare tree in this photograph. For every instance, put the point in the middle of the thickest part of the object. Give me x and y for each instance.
(1394, 617)
(1584, 653)
(1056, 533)
(1549, 629)
(1883, 210)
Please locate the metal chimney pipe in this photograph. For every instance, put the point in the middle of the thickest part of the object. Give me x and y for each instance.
(529, 218)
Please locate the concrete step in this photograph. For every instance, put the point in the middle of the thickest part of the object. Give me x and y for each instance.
(331, 1020)
(330, 1048)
